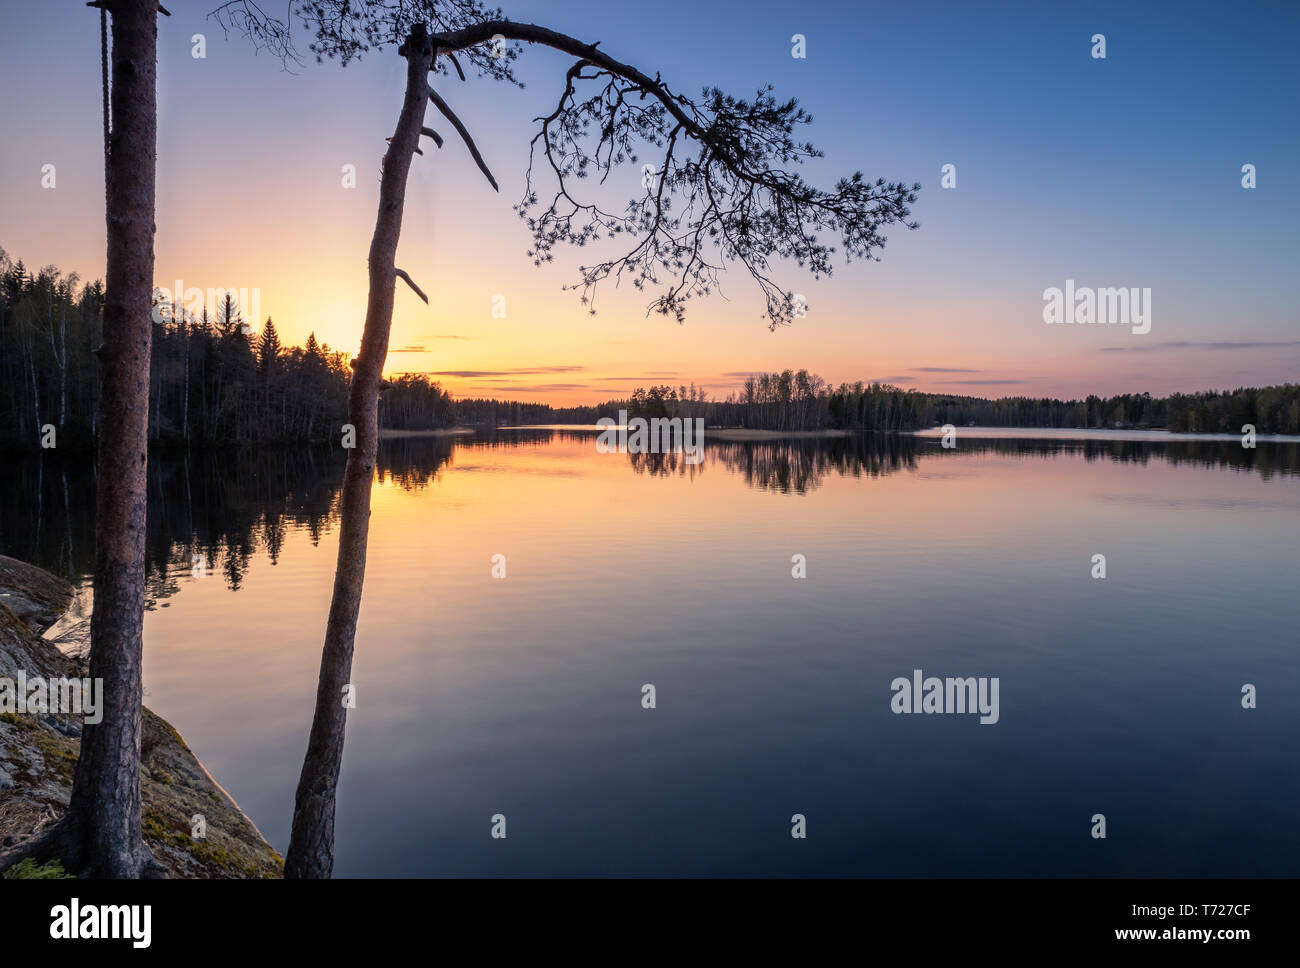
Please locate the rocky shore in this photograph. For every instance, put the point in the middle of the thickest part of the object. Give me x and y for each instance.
(38, 751)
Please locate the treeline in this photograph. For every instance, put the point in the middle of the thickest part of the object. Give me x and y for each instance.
(1272, 410)
(411, 401)
(218, 380)
(214, 379)
(786, 401)
(802, 401)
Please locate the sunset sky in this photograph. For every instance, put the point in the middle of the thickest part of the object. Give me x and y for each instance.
(1117, 172)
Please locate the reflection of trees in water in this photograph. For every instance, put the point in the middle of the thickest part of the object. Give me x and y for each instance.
(231, 507)
(671, 464)
(226, 507)
(1268, 458)
(413, 463)
(527, 437)
(799, 465)
(47, 504)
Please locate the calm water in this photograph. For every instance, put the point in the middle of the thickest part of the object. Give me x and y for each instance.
(522, 696)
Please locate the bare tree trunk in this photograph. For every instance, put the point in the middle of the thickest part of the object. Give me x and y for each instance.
(185, 398)
(106, 788)
(99, 836)
(36, 393)
(311, 843)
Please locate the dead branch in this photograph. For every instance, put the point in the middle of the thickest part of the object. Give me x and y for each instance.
(450, 115)
(401, 274)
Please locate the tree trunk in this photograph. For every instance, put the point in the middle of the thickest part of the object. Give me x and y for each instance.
(185, 399)
(99, 836)
(311, 843)
(106, 788)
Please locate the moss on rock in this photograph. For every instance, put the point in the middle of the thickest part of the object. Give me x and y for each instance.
(38, 754)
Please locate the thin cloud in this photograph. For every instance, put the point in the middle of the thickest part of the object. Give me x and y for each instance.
(412, 348)
(978, 383)
(942, 369)
(539, 388)
(634, 378)
(874, 379)
(518, 371)
(1184, 344)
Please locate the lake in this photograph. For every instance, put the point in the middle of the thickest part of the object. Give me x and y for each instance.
(773, 695)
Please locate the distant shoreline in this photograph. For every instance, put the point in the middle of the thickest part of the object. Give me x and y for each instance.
(716, 433)
(740, 434)
(1100, 433)
(391, 434)
(745, 433)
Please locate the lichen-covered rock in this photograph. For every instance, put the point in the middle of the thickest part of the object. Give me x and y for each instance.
(33, 595)
(38, 752)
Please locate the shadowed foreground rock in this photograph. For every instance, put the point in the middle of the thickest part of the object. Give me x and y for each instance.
(39, 750)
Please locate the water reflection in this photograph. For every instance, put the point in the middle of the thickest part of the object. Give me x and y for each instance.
(221, 510)
(524, 695)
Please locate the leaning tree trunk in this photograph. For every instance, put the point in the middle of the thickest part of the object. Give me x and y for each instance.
(311, 842)
(99, 836)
